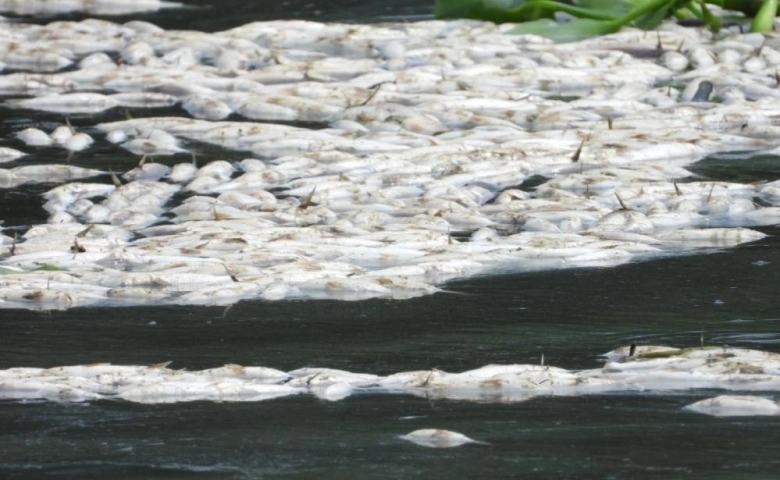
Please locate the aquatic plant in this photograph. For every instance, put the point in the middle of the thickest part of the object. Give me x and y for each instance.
(601, 17)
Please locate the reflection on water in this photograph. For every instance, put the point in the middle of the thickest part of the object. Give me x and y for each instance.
(569, 316)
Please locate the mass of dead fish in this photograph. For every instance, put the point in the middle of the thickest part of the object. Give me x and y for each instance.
(93, 7)
(640, 369)
(414, 177)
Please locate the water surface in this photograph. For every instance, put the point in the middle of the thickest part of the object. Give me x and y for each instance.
(570, 317)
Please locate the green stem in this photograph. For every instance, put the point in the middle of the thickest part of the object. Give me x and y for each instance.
(642, 10)
(695, 9)
(713, 22)
(578, 12)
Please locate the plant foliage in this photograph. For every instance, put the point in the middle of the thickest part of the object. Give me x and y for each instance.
(600, 17)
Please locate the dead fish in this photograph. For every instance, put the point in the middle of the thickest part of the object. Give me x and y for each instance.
(78, 142)
(61, 134)
(34, 137)
(144, 99)
(436, 438)
(9, 154)
(710, 237)
(196, 389)
(68, 103)
(36, 60)
(201, 106)
(101, 7)
(735, 406)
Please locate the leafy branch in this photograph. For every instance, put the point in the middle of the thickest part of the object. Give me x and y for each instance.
(601, 17)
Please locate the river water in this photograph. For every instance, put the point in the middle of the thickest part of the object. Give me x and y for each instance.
(570, 317)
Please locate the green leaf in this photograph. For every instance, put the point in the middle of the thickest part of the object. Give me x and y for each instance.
(647, 7)
(500, 11)
(600, 17)
(536, 9)
(654, 18)
(572, 31)
(685, 13)
(492, 10)
(48, 267)
(616, 7)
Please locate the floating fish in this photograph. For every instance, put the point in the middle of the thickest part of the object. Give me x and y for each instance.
(34, 137)
(437, 438)
(10, 154)
(94, 7)
(421, 137)
(635, 368)
(735, 406)
(68, 103)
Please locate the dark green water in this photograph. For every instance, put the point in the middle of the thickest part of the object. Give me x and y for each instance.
(569, 316)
